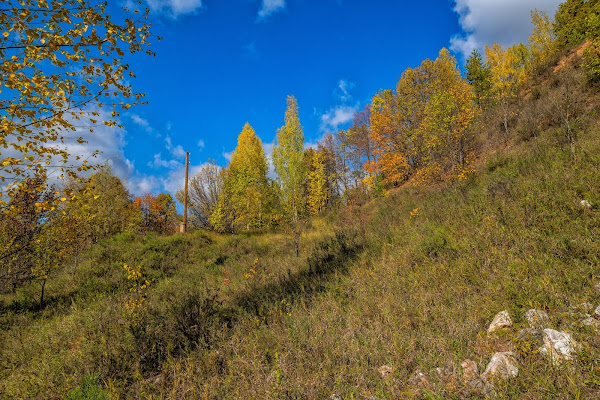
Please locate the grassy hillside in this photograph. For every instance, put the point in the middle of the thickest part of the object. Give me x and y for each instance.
(410, 281)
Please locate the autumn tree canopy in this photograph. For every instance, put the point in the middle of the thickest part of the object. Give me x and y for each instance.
(62, 62)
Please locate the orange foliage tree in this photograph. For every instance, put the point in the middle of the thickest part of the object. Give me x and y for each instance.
(158, 212)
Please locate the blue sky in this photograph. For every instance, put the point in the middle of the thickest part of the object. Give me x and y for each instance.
(222, 63)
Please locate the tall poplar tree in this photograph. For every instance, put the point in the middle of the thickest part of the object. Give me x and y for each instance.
(244, 199)
(288, 158)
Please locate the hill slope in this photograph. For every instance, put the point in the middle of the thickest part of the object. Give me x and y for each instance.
(409, 282)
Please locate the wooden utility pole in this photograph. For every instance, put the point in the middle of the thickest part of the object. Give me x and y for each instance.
(185, 194)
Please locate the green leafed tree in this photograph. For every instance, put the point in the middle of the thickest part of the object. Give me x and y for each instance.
(288, 158)
(479, 76)
(243, 203)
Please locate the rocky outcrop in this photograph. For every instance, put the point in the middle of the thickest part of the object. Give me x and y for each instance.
(501, 320)
(502, 365)
(559, 346)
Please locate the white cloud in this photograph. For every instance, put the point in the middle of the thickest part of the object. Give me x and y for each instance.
(487, 21)
(107, 141)
(176, 151)
(201, 144)
(159, 162)
(175, 180)
(269, 7)
(343, 90)
(340, 115)
(142, 122)
(227, 155)
(175, 8)
(140, 184)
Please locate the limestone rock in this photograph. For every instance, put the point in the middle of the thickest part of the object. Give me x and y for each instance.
(502, 365)
(385, 371)
(592, 323)
(501, 320)
(537, 319)
(558, 346)
(585, 204)
(335, 397)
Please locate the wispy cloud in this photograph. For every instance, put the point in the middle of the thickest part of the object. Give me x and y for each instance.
(504, 21)
(175, 8)
(177, 151)
(158, 162)
(227, 155)
(142, 122)
(342, 113)
(269, 7)
(201, 144)
(175, 179)
(337, 116)
(343, 90)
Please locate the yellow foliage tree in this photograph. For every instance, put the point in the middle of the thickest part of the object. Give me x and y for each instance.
(61, 64)
(245, 196)
(507, 66)
(317, 191)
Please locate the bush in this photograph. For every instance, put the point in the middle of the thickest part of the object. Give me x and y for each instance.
(90, 389)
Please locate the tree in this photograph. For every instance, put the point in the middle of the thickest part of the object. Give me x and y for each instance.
(542, 38)
(244, 199)
(61, 64)
(390, 142)
(317, 192)
(576, 21)
(479, 76)
(158, 212)
(447, 116)
(205, 188)
(507, 66)
(106, 204)
(20, 229)
(422, 129)
(288, 158)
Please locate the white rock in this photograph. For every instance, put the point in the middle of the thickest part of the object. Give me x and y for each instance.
(597, 287)
(558, 345)
(597, 312)
(501, 320)
(585, 204)
(502, 365)
(537, 319)
(592, 323)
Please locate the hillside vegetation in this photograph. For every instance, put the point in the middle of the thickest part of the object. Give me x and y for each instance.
(382, 294)
(410, 281)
